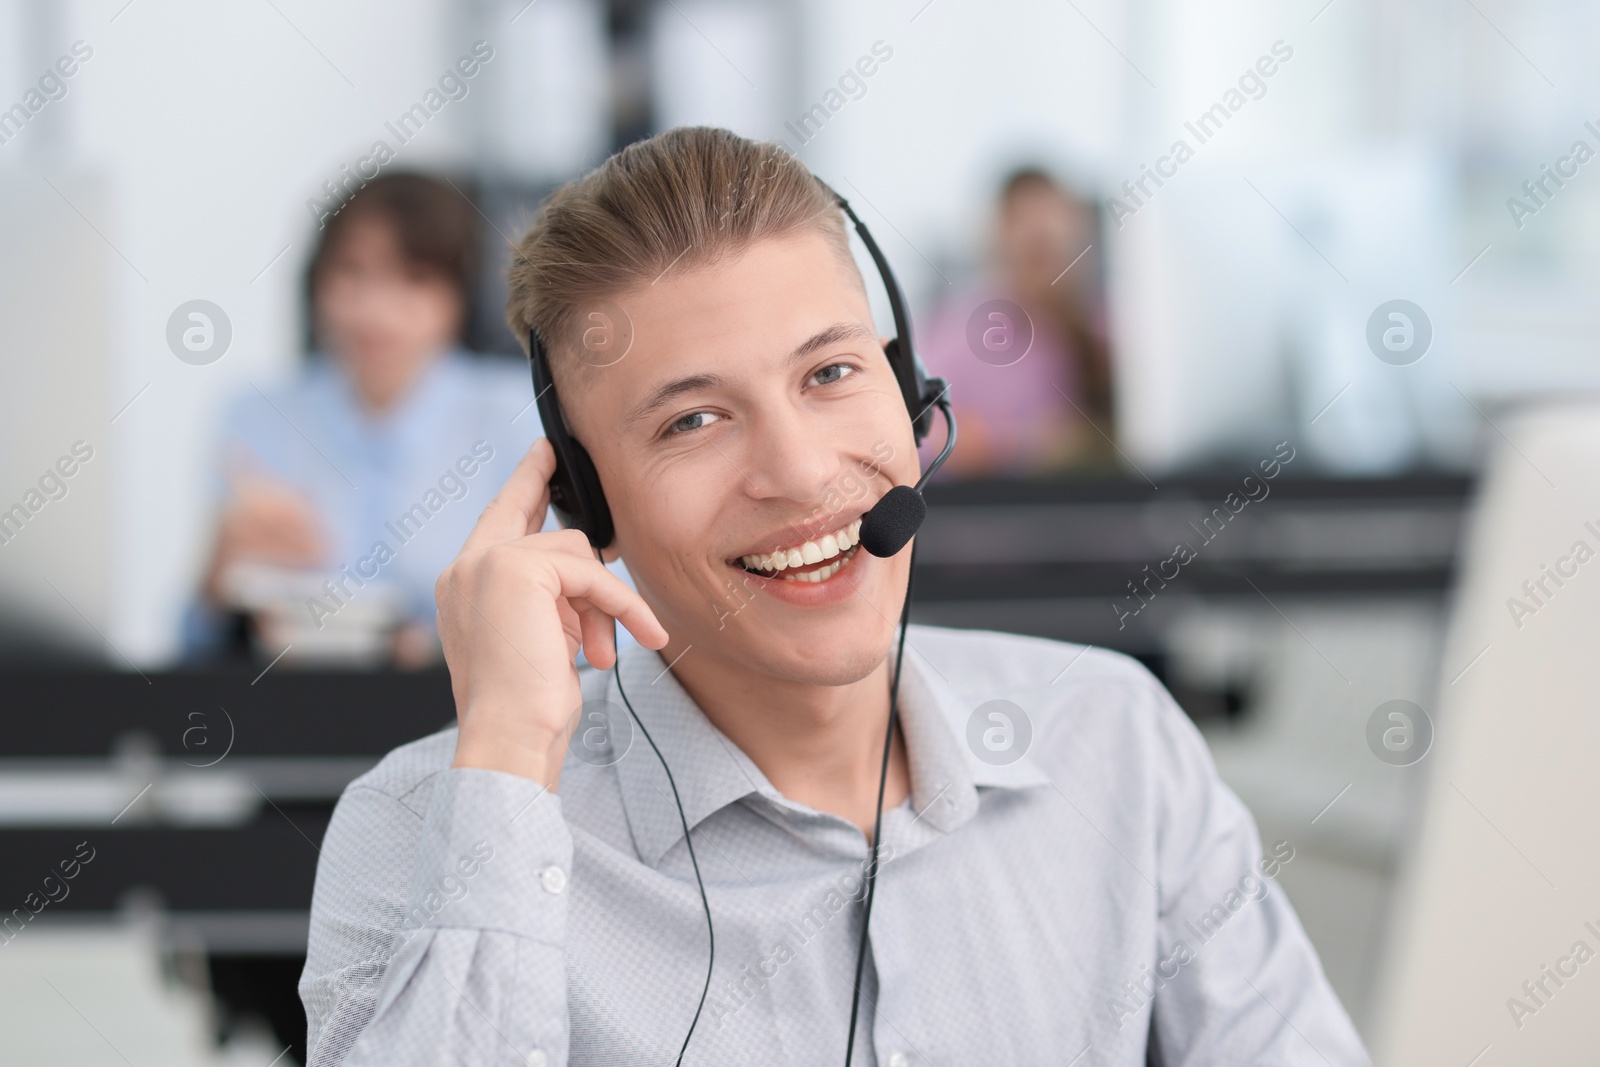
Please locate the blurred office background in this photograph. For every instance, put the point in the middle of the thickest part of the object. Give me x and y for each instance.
(1340, 156)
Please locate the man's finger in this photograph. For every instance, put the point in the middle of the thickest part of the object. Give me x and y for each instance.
(518, 509)
(599, 636)
(588, 580)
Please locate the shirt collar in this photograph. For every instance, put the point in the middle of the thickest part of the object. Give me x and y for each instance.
(711, 772)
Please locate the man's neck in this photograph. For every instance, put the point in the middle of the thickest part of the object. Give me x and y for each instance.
(819, 745)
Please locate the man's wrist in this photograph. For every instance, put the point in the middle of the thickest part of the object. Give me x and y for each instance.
(536, 765)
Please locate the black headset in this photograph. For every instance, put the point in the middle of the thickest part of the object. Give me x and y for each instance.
(575, 490)
(580, 503)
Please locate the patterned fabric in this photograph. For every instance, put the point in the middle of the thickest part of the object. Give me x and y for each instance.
(1068, 883)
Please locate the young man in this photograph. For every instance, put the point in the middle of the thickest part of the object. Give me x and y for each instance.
(1061, 875)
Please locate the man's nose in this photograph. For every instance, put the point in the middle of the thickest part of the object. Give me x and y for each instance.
(792, 455)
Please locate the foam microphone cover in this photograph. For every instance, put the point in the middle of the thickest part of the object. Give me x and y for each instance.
(893, 521)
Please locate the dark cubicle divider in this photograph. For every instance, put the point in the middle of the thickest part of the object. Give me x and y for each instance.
(261, 757)
(1098, 560)
(278, 712)
(296, 738)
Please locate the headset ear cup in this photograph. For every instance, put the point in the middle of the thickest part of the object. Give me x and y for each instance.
(913, 387)
(932, 390)
(586, 482)
(575, 491)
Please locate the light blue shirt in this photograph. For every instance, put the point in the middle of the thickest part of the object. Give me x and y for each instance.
(1069, 882)
(397, 493)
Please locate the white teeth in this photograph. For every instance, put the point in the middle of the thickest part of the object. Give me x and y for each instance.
(825, 547)
(820, 575)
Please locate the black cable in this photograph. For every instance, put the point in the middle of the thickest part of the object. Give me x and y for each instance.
(877, 822)
(711, 935)
(942, 401)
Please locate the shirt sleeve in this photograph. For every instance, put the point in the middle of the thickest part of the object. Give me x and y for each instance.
(1236, 980)
(439, 938)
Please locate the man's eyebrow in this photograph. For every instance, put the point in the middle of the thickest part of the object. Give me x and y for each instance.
(671, 390)
(832, 335)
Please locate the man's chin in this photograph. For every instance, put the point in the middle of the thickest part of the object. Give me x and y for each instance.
(824, 663)
(837, 645)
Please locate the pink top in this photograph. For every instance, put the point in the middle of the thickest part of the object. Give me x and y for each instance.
(1011, 375)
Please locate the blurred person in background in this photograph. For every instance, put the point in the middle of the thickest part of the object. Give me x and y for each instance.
(1025, 350)
(347, 491)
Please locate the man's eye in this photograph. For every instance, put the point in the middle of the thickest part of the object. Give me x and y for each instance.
(695, 420)
(833, 372)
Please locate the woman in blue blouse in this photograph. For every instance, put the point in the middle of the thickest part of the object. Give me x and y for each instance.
(346, 492)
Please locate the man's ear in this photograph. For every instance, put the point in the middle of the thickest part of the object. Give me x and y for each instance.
(610, 553)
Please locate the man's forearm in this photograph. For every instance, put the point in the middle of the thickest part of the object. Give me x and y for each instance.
(472, 969)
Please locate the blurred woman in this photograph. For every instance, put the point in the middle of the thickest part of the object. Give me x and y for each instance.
(346, 492)
(1025, 350)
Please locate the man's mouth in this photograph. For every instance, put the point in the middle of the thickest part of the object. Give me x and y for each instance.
(810, 561)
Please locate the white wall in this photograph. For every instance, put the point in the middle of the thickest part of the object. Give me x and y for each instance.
(211, 126)
(971, 91)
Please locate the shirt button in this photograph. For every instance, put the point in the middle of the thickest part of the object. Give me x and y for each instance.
(554, 880)
(899, 1059)
(537, 1058)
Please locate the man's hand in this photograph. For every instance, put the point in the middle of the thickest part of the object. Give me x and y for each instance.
(514, 608)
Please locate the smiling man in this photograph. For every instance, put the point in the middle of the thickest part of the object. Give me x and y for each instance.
(1059, 871)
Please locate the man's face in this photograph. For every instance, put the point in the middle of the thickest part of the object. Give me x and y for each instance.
(754, 413)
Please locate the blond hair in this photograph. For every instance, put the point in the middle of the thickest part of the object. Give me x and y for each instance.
(682, 199)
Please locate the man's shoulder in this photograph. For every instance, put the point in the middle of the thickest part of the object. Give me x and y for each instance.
(994, 660)
(406, 775)
(1083, 701)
